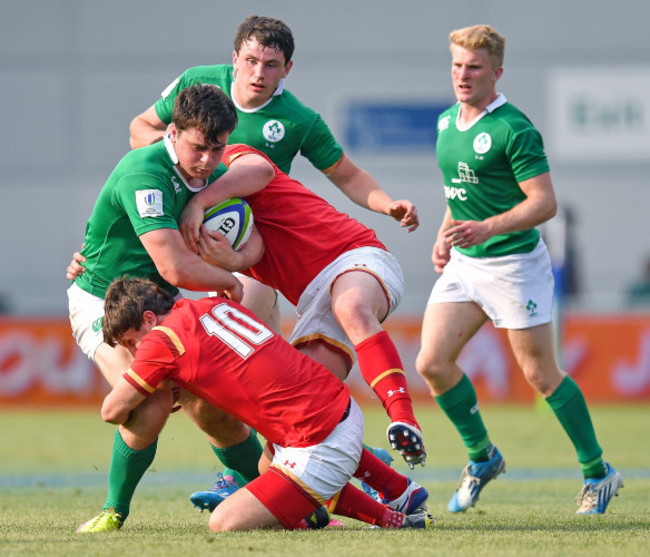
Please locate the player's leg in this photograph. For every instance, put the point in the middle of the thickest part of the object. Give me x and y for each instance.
(359, 304)
(354, 503)
(262, 300)
(396, 490)
(534, 350)
(299, 481)
(234, 444)
(134, 445)
(446, 328)
(243, 511)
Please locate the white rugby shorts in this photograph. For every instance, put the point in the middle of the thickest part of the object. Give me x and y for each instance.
(325, 468)
(86, 317)
(315, 317)
(515, 291)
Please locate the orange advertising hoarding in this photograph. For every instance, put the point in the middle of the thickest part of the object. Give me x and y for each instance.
(608, 355)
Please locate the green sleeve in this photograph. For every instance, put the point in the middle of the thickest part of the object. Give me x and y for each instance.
(148, 206)
(320, 147)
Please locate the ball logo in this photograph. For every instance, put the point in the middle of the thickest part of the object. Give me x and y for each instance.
(482, 143)
(226, 226)
(273, 131)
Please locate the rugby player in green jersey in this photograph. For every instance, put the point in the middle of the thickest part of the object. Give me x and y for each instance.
(495, 266)
(133, 230)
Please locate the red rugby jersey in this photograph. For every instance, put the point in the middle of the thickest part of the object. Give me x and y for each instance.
(302, 232)
(221, 352)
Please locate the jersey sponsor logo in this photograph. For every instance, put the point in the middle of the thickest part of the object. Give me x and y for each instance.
(452, 192)
(177, 186)
(149, 203)
(465, 176)
(273, 131)
(482, 143)
(443, 124)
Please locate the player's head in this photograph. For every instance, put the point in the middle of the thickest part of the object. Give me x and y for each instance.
(478, 37)
(202, 121)
(206, 108)
(129, 304)
(261, 59)
(476, 64)
(267, 31)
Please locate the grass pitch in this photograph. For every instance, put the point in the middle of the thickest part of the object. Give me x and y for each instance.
(54, 467)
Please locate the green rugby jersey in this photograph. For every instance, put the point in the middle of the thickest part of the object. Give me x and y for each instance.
(281, 128)
(482, 167)
(144, 192)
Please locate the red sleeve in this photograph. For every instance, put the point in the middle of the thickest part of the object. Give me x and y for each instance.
(154, 361)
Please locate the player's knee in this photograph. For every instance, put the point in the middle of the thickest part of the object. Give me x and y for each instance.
(216, 524)
(428, 366)
(160, 405)
(222, 522)
(544, 381)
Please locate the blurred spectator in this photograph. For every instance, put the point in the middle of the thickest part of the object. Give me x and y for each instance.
(639, 291)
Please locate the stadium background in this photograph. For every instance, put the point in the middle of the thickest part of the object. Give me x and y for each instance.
(74, 73)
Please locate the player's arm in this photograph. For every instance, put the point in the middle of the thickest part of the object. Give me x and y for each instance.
(185, 269)
(119, 403)
(247, 174)
(442, 246)
(361, 187)
(216, 250)
(539, 206)
(146, 128)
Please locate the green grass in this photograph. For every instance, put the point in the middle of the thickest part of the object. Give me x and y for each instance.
(54, 464)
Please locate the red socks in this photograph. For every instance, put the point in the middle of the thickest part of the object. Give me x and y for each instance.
(354, 503)
(382, 369)
(378, 475)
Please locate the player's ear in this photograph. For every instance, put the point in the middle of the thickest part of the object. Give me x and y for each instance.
(149, 319)
(287, 67)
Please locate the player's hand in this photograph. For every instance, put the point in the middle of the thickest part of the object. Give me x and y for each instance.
(441, 254)
(76, 268)
(190, 223)
(405, 212)
(467, 233)
(236, 293)
(214, 248)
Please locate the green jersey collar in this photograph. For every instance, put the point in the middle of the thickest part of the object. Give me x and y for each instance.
(278, 91)
(172, 155)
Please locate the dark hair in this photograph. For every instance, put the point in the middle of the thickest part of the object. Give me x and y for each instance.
(207, 108)
(269, 32)
(127, 298)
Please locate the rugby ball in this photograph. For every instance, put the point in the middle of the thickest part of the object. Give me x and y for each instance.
(233, 218)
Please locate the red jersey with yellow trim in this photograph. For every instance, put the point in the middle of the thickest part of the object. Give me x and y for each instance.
(302, 232)
(221, 352)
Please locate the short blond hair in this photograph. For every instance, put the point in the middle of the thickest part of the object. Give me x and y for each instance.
(481, 36)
